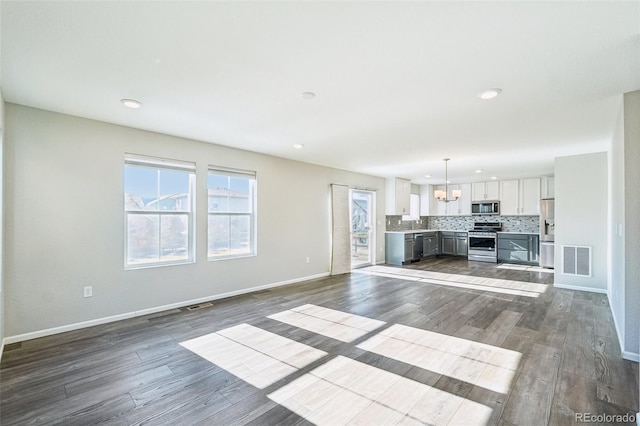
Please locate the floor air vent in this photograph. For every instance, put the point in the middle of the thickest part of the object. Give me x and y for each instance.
(576, 260)
(199, 306)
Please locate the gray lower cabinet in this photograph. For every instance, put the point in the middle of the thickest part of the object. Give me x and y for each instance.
(453, 243)
(430, 245)
(398, 249)
(519, 248)
(462, 243)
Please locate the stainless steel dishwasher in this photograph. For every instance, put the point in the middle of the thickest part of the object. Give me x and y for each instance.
(408, 248)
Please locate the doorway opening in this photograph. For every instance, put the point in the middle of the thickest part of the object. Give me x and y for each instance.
(362, 227)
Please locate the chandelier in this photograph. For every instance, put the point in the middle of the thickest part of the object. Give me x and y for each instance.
(443, 195)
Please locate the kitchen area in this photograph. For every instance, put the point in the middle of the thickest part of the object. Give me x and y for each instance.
(500, 222)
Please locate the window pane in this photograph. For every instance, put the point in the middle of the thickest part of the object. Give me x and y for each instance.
(173, 190)
(149, 188)
(218, 192)
(229, 235)
(142, 238)
(239, 234)
(160, 234)
(218, 235)
(240, 195)
(140, 187)
(231, 213)
(174, 236)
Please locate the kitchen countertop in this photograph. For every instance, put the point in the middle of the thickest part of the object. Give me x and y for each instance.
(519, 232)
(418, 231)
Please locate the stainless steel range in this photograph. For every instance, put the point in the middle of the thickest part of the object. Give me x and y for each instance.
(483, 241)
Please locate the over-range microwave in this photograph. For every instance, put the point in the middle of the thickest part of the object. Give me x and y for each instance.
(485, 207)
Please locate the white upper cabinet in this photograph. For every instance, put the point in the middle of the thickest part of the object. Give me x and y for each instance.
(520, 197)
(530, 196)
(509, 199)
(463, 205)
(426, 200)
(398, 196)
(485, 191)
(547, 188)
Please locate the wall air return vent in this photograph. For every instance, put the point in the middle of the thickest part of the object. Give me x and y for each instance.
(576, 260)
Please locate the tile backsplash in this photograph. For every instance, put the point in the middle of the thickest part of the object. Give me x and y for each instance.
(464, 223)
(395, 223)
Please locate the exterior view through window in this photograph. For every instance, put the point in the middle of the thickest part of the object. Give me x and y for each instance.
(232, 199)
(158, 204)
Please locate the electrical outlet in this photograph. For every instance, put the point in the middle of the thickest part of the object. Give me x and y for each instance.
(88, 291)
(399, 222)
(307, 259)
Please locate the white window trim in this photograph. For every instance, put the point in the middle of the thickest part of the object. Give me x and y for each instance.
(253, 215)
(166, 164)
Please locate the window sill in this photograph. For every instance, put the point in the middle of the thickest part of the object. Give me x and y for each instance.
(157, 265)
(230, 257)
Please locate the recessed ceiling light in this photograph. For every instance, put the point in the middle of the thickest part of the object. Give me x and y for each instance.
(131, 103)
(479, 171)
(489, 94)
(494, 177)
(308, 95)
(298, 146)
(427, 176)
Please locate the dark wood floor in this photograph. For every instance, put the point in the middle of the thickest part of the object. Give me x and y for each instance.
(135, 371)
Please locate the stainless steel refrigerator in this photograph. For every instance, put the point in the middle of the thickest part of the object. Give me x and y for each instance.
(547, 232)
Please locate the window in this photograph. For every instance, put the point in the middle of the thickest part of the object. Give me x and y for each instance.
(414, 208)
(232, 213)
(158, 209)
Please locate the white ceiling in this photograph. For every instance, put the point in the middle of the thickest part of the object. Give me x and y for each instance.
(396, 83)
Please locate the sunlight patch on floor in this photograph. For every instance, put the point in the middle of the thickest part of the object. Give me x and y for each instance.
(517, 288)
(347, 392)
(483, 365)
(525, 268)
(256, 356)
(338, 325)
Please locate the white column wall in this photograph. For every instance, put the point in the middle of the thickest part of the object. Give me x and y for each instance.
(581, 212)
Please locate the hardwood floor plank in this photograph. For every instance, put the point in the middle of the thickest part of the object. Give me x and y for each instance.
(568, 401)
(531, 399)
(136, 372)
(496, 333)
(610, 371)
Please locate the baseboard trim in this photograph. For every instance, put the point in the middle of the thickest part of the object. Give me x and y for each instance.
(142, 312)
(579, 288)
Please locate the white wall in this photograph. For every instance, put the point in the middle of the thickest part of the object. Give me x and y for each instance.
(64, 228)
(632, 223)
(581, 209)
(2, 291)
(617, 221)
(624, 287)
